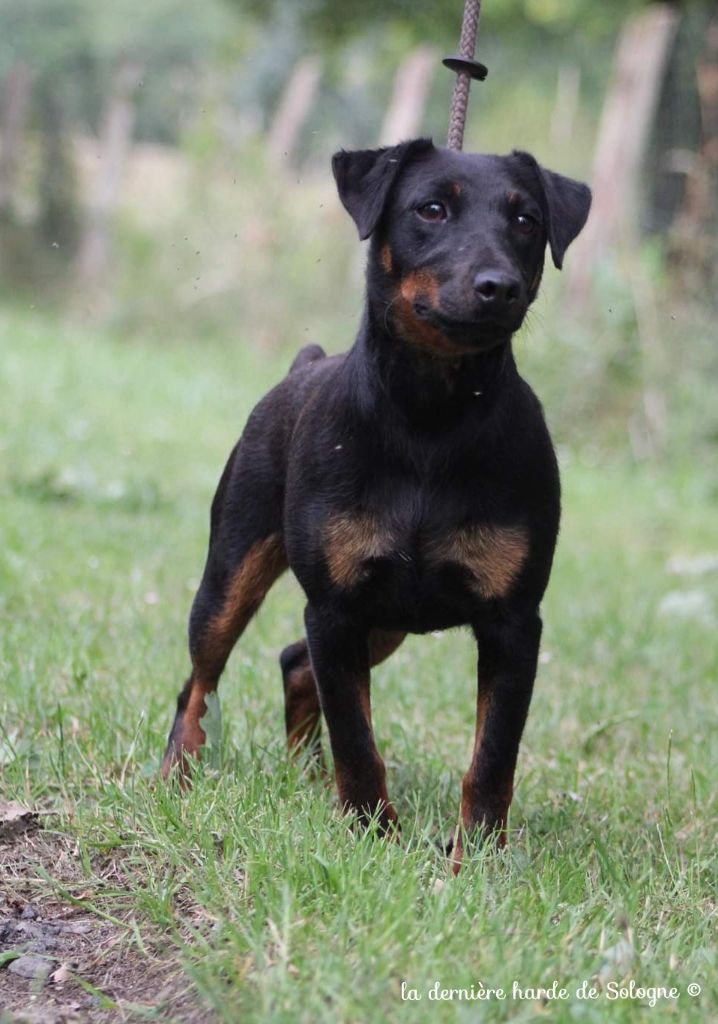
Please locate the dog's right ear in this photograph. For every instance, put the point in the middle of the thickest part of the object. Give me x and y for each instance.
(365, 176)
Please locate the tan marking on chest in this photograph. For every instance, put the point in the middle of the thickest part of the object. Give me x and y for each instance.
(350, 541)
(493, 555)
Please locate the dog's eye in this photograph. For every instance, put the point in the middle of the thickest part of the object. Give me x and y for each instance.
(432, 211)
(525, 224)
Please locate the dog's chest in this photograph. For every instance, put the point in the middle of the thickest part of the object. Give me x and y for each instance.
(406, 551)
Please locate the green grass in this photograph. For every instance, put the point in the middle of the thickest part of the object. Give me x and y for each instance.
(253, 883)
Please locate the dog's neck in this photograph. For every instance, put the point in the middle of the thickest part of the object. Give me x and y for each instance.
(429, 390)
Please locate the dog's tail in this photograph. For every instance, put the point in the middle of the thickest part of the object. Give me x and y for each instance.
(306, 355)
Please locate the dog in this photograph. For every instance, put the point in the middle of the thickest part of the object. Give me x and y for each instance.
(410, 484)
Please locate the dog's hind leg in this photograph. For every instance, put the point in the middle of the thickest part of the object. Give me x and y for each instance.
(302, 711)
(246, 555)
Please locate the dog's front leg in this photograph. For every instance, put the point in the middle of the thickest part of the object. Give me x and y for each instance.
(340, 656)
(508, 653)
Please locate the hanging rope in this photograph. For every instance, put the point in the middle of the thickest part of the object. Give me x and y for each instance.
(466, 69)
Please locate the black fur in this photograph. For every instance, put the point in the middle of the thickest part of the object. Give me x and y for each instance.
(411, 484)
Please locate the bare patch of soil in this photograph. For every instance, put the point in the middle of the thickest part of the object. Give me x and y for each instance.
(60, 963)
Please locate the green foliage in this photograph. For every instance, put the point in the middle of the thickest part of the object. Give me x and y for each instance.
(76, 45)
(52, 34)
(46, 34)
(440, 22)
(160, 33)
(59, 216)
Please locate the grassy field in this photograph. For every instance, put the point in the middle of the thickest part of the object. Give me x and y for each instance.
(250, 898)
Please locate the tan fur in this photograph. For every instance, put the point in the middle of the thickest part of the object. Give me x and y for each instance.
(261, 566)
(387, 260)
(422, 284)
(302, 707)
(503, 792)
(483, 704)
(493, 555)
(382, 643)
(365, 698)
(350, 541)
(187, 736)
(345, 777)
(193, 735)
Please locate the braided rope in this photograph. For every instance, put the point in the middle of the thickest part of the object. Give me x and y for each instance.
(460, 99)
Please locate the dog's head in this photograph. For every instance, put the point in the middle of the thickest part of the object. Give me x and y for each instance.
(458, 239)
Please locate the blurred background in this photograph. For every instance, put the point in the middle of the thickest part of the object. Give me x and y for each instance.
(165, 181)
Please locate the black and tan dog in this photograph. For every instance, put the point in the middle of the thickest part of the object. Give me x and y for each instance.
(411, 484)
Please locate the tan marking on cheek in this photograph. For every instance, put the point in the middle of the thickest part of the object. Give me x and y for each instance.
(493, 556)
(350, 541)
(261, 566)
(420, 283)
(422, 334)
(387, 260)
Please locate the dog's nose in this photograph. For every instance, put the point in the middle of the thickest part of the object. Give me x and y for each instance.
(496, 288)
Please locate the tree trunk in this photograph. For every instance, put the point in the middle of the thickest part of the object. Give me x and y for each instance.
(693, 245)
(708, 91)
(293, 110)
(411, 89)
(628, 113)
(568, 92)
(115, 139)
(16, 91)
(707, 74)
(58, 220)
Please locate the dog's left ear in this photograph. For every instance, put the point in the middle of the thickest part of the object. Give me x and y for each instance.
(566, 205)
(365, 176)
